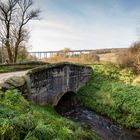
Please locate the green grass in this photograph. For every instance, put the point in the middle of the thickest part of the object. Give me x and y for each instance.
(5, 69)
(111, 93)
(22, 120)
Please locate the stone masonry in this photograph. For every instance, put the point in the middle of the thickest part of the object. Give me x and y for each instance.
(47, 84)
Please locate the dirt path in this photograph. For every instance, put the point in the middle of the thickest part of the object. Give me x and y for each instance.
(4, 76)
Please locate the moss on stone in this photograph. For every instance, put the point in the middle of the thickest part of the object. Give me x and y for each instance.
(54, 65)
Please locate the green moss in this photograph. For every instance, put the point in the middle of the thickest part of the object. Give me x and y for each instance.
(54, 65)
(20, 66)
(16, 68)
(20, 119)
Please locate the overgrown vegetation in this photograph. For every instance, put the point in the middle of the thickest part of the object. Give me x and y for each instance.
(20, 120)
(111, 93)
(82, 58)
(20, 66)
(15, 68)
(131, 57)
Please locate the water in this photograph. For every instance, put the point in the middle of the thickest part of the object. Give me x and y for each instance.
(106, 129)
(102, 126)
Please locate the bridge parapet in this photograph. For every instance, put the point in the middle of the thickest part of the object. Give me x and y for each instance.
(47, 84)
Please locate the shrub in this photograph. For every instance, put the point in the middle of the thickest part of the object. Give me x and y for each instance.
(131, 57)
(125, 59)
(90, 58)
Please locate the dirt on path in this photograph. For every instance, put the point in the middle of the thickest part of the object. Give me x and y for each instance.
(4, 76)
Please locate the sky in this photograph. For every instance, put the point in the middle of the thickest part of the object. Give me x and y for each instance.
(85, 24)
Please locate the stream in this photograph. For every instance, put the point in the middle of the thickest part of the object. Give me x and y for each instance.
(102, 126)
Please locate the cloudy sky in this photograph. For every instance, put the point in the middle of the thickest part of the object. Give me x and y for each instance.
(85, 24)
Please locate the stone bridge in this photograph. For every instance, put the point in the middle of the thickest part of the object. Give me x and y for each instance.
(47, 84)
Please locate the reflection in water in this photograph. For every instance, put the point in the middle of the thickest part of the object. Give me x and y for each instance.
(107, 130)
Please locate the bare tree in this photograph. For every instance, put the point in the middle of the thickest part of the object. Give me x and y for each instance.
(26, 13)
(14, 16)
(6, 12)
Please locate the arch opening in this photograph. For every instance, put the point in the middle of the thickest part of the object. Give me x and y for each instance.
(66, 103)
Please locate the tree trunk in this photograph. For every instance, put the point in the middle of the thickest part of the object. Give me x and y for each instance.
(16, 52)
(7, 44)
(10, 57)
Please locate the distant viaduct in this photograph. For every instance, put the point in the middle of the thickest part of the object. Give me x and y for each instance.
(46, 54)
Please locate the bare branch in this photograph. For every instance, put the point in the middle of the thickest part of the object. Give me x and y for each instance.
(34, 14)
(14, 15)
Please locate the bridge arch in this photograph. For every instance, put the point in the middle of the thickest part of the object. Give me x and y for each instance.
(48, 84)
(65, 96)
(66, 102)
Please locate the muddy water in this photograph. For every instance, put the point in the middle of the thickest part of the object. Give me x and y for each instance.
(102, 126)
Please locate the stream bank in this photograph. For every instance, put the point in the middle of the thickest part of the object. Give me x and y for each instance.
(70, 108)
